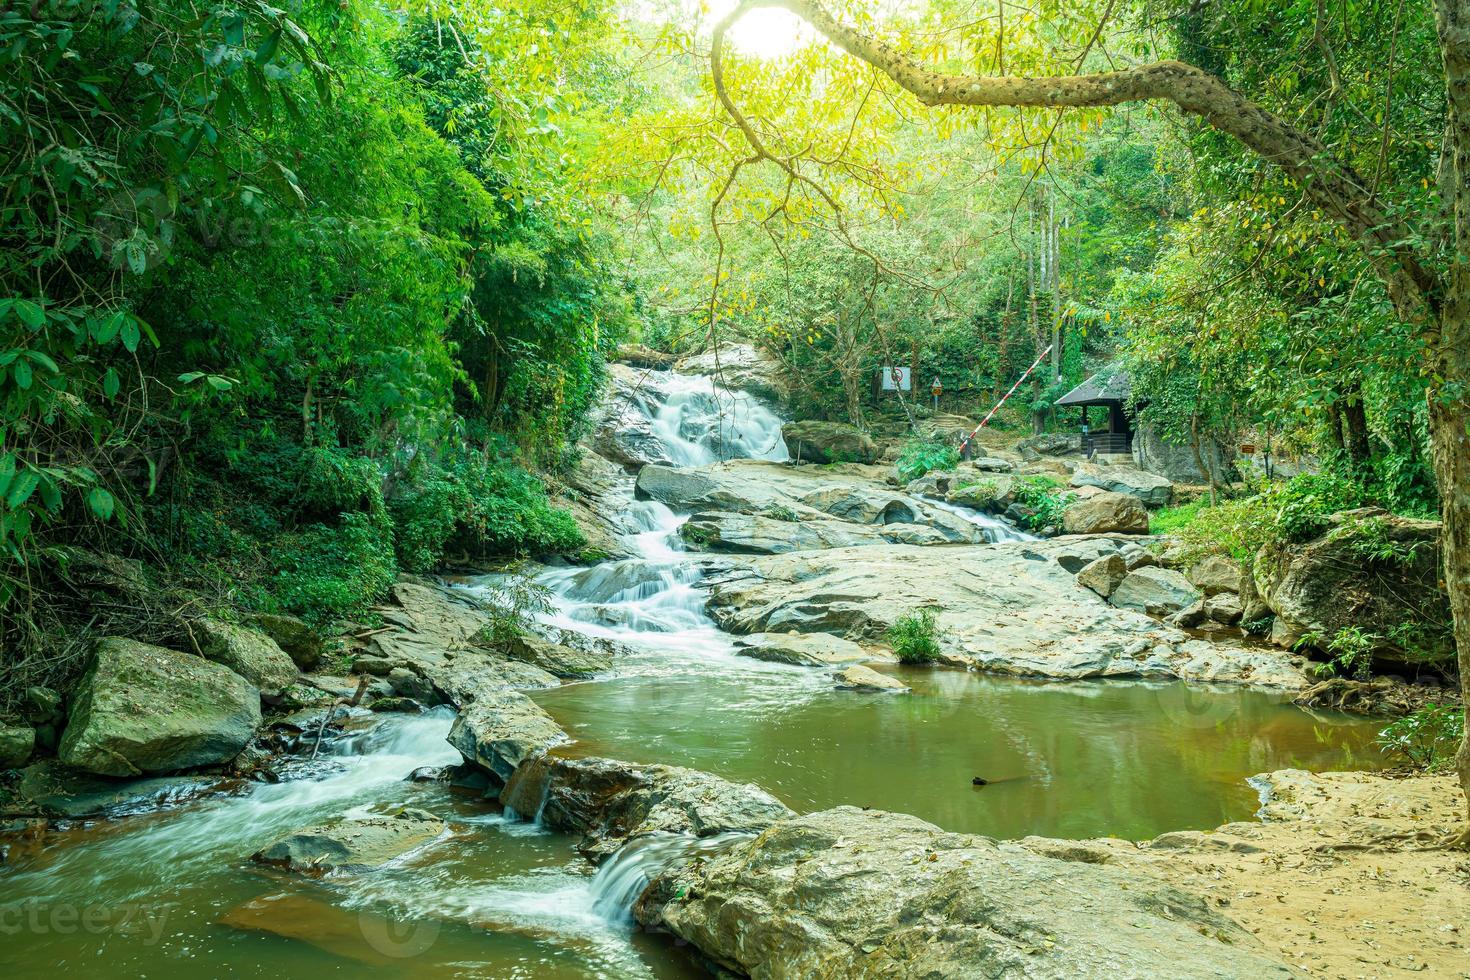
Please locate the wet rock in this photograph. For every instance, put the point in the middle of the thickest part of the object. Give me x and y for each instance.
(557, 659)
(866, 679)
(295, 636)
(848, 893)
(802, 649)
(337, 931)
(1156, 591)
(607, 801)
(829, 442)
(43, 706)
(16, 744)
(1103, 575)
(1106, 513)
(1153, 490)
(407, 684)
(499, 731)
(57, 791)
(353, 845)
(701, 489)
(250, 653)
(143, 709)
(397, 705)
(993, 464)
(1328, 584)
(1215, 574)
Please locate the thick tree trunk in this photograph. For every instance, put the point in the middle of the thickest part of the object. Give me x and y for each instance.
(1355, 427)
(1451, 442)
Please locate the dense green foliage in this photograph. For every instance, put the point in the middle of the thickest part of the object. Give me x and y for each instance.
(289, 302)
(922, 456)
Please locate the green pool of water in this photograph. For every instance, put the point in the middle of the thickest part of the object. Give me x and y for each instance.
(1075, 760)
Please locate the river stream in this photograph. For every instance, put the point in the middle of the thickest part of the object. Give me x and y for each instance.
(173, 892)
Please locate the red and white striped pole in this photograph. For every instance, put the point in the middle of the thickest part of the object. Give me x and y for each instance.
(1042, 356)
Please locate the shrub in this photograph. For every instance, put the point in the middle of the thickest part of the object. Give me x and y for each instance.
(921, 456)
(1428, 738)
(1289, 512)
(1045, 498)
(326, 573)
(915, 637)
(1173, 520)
(482, 506)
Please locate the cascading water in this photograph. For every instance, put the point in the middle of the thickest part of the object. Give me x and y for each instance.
(996, 530)
(625, 875)
(699, 423)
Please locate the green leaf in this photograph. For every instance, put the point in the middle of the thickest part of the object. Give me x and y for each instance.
(101, 503)
(7, 471)
(22, 372)
(50, 493)
(31, 314)
(21, 489)
(130, 335)
(111, 383)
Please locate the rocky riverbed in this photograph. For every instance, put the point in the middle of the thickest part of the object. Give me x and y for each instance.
(710, 714)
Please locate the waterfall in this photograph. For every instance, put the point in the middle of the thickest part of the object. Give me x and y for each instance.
(699, 423)
(624, 876)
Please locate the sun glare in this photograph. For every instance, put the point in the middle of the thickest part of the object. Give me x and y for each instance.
(765, 33)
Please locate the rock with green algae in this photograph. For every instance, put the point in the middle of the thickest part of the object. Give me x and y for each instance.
(147, 709)
(248, 652)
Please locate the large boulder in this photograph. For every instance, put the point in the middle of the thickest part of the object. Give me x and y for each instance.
(354, 844)
(1152, 489)
(1215, 574)
(643, 356)
(700, 489)
(1106, 513)
(250, 653)
(829, 442)
(295, 636)
(865, 893)
(1104, 575)
(608, 801)
(1154, 590)
(558, 659)
(142, 709)
(1370, 570)
(850, 503)
(500, 730)
(16, 744)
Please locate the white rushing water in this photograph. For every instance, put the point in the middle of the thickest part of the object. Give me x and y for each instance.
(699, 423)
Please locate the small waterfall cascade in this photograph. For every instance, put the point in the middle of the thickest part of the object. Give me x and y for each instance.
(623, 878)
(698, 423)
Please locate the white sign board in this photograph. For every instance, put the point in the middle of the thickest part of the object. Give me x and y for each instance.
(897, 379)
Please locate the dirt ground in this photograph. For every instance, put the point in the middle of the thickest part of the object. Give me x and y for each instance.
(1344, 876)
